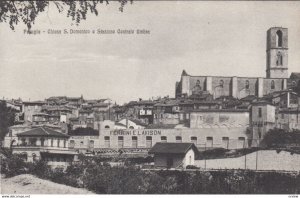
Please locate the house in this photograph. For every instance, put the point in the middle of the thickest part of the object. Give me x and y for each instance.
(173, 155)
(30, 108)
(43, 143)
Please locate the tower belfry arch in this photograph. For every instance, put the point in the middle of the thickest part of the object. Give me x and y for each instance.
(277, 53)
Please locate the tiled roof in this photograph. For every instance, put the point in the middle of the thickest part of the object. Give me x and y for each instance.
(42, 131)
(100, 105)
(34, 102)
(142, 102)
(220, 110)
(40, 114)
(261, 102)
(172, 148)
(138, 122)
(120, 124)
(249, 98)
(295, 75)
(84, 132)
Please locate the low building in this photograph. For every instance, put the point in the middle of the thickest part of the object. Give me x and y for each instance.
(173, 155)
(219, 117)
(43, 143)
(263, 118)
(11, 137)
(30, 108)
(204, 138)
(40, 118)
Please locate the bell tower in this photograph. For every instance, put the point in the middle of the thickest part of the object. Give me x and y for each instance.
(277, 52)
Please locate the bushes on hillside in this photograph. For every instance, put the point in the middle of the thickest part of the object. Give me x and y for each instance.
(101, 178)
(279, 138)
(13, 165)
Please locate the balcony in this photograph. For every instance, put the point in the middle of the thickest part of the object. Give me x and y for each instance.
(45, 149)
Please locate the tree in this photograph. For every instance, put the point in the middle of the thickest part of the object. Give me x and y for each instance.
(14, 12)
(7, 118)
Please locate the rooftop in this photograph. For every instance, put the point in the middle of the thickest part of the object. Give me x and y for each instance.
(42, 131)
(172, 148)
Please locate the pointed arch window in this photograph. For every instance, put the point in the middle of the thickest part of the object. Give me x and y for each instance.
(247, 84)
(272, 84)
(221, 83)
(279, 59)
(278, 38)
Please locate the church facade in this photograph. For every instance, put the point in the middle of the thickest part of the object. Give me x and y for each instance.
(239, 87)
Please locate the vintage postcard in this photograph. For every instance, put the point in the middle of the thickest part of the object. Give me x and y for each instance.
(149, 97)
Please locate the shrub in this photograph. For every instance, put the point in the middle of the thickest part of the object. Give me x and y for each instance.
(191, 167)
(13, 165)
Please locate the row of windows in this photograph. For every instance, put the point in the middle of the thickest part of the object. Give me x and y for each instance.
(33, 142)
(163, 139)
(247, 83)
(148, 141)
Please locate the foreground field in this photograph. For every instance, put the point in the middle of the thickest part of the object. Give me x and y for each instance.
(29, 184)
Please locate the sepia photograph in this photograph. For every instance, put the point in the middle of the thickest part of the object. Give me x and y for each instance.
(149, 97)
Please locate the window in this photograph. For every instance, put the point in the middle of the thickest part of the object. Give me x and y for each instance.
(92, 143)
(81, 144)
(23, 142)
(247, 84)
(187, 116)
(34, 158)
(134, 141)
(278, 38)
(32, 141)
(181, 116)
(72, 143)
(107, 142)
(148, 141)
(51, 142)
(65, 143)
(131, 127)
(120, 141)
(279, 59)
(259, 112)
(178, 139)
(163, 138)
(194, 140)
(42, 141)
(221, 83)
(209, 141)
(58, 143)
(225, 142)
(241, 142)
(107, 127)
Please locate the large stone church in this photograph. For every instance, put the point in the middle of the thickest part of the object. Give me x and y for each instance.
(239, 87)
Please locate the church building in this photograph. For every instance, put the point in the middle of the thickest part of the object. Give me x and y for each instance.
(240, 87)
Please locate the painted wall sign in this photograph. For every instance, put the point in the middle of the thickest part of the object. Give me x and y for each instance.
(136, 132)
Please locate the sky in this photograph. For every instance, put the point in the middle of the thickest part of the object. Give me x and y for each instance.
(202, 37)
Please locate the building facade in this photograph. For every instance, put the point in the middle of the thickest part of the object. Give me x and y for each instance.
(240, 87)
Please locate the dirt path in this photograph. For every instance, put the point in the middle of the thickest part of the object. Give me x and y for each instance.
(29, 184)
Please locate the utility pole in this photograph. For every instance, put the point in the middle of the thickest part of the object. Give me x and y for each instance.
(205, 157)
(245, 155)
(256, 159)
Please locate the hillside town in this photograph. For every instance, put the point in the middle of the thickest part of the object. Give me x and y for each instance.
(206, 112)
